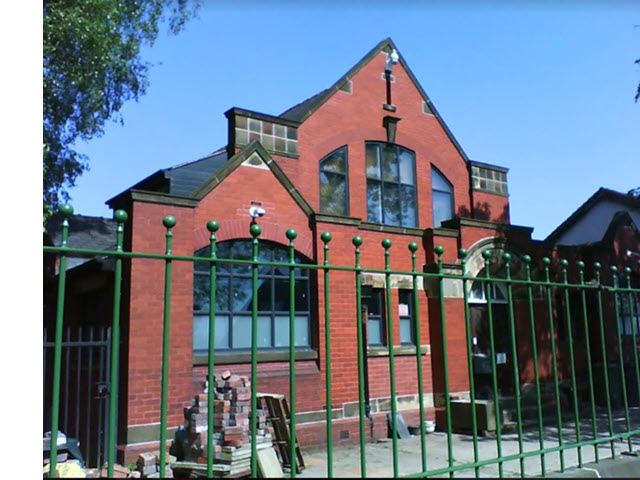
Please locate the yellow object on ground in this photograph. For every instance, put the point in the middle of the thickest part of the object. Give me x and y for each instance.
(67, 470)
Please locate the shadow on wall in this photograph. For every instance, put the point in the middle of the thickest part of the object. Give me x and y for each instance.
(482, 211)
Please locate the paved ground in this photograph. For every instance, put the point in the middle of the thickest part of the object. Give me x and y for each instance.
(380, 457)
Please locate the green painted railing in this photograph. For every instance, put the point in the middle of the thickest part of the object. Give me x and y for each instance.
(546, 318)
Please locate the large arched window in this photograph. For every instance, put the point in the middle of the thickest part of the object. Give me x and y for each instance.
(442, 196)
(334, 183)
(391, 190)
(234, 299)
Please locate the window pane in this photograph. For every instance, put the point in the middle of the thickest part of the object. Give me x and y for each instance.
(375, 331)
(389, 163)
(439, 182)
(373, 160)
(264, 331)
(335, 162)
(241, 332)
(374, 201)
(241, 250)
(254, 125)
(281, 295)
(241, 294)
(333, 193)
(280, 131)
(302, 331)
(302, 296)
(267, 142)
(201, 332)
(391, 204)
(200, 293)
(406, 163)
(442, 208)
(406, 331)
(408, 203)
(264, 295)
(282, 331)
(242, 137)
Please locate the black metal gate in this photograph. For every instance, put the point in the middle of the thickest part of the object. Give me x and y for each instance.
(84, 388)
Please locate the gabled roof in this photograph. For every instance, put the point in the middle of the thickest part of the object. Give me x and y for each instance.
(234, 162)
(305, 109)
(611, 204)
(186, 179)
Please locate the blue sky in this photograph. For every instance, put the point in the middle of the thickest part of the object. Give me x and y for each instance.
(547, 92)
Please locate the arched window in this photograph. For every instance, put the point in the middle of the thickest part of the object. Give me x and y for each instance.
(442, 197)
(334, 183)
(391, 190)
(234, 299)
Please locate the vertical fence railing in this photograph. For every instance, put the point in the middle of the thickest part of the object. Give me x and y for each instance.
(545, 319)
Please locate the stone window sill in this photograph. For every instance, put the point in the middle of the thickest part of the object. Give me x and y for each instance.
(226, 358)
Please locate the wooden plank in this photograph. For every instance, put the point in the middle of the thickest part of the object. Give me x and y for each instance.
(279, 416)
(268, 464)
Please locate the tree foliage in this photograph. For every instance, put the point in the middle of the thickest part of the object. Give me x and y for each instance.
(91, 66)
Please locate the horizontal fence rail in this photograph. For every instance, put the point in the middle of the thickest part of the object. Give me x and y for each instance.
(548, 303)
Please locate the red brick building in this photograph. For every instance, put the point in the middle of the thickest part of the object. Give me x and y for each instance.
(370, 156)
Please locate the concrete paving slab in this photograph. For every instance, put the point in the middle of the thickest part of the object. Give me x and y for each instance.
(379, 456)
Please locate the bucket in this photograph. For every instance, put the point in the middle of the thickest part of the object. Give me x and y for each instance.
(429, 426)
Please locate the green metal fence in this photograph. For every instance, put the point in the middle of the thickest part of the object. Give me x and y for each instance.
(541, 290)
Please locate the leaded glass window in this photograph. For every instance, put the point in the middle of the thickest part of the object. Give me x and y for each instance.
(391, 191)
(234, 299)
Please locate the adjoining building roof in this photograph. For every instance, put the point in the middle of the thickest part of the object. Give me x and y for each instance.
(591, 221)
(91, 233)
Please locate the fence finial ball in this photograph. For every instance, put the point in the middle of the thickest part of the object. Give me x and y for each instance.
(357, 241)
(413, 247)
(486, 254)
(580, 264)
(66, 209)
(213, 226)
(564, 262)
(506, 256)
(439, 250)
(614, 269)
(546, 261)
(325, 237)
(597, 265)
(120, 216)
(462, 253)
(255, 230)
(386, 243)
(527, 259)
(291, 234)
(169, 221)
(627, 270)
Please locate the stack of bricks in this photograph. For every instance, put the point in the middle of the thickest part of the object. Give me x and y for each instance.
(231, 425)
(148, 465)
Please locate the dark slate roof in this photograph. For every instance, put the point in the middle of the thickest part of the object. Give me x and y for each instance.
(299, 111)
(186, 178)
(620, 202)
(93, 233)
